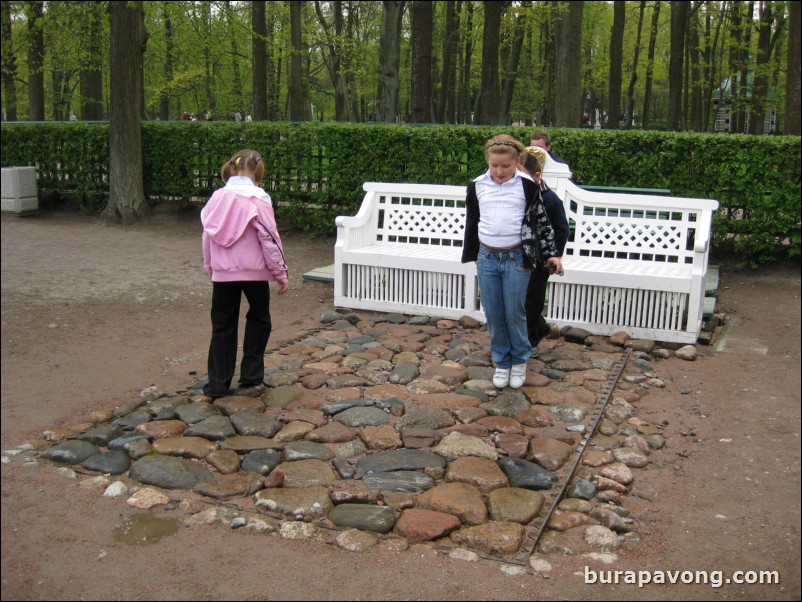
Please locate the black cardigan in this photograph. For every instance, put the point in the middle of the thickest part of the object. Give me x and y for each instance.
(470, 246)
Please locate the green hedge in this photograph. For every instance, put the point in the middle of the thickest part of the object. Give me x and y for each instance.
(315, 171)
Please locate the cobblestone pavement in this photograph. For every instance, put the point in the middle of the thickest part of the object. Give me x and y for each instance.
(389, 432)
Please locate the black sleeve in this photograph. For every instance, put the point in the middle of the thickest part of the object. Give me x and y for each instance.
(470, 245)
(559, 222)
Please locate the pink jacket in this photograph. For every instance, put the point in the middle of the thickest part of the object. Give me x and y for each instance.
(240, 239)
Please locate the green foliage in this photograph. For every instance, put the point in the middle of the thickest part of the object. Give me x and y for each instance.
(315, 171)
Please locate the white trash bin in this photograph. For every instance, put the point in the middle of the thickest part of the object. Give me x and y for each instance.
(19, 191)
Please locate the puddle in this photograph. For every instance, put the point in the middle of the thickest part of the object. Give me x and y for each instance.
(144, 528)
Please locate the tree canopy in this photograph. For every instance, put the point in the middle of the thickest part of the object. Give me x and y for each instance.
(528, 62)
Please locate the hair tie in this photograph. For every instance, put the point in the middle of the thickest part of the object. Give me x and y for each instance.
(237, 161)
(257, 159)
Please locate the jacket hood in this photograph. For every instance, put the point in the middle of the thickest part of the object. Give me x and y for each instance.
(226, 217)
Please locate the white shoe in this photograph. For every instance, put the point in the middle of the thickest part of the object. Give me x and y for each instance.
(501, 378)
(518, 376)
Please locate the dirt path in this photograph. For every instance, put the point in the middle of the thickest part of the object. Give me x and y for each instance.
(92, 315)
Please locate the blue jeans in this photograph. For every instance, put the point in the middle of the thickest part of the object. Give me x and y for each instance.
(503, 280)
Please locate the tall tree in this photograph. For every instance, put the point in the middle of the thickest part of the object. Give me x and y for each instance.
(616, 58)
(298, 100)
(633, 78)
(489, 101)
(334, 57)
(9, 64)
(126, 189)
(236, 59)
(164, 95)
(91, 76)
(793, 99)
(647, 87)
(770, 25)
(679, 17)
(446, 94)
(422, 14)
(259, 48)
(511, 72)
(36, 59)
(465, 74)
(568, 67)
(388, 104)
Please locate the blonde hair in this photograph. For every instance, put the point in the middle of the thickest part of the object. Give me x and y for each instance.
(535, 159)
(504, 144)
(245, 160)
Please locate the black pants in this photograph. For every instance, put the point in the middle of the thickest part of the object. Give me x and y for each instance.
(226, 298)
(536, 324)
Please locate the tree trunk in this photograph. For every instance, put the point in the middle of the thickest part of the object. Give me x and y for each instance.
(743, 63)
(422, 14)
(206, 18)
(36, 59)
(9, 65)
(679, 16)
(126, 190)
(647, 88)
(695, 120)
(616, 58)
(634, 76)
(387, 105)
(511, 75)
(568, 67)
(765, 46)
(449, 44)
(231, 20)
(334, 60)
(259, 48)
(792, 79)
(489, 95)
(298, 101)
(164, 96)
(465, 83)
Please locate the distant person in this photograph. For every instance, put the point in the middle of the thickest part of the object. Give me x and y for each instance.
(73, 117)
(242, 252)
(248, 117)
(237, 116)
(507, 237)
(185, 116)
(543, 140)
(536, 325)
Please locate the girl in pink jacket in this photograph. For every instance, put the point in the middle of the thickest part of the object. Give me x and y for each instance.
(242, 252)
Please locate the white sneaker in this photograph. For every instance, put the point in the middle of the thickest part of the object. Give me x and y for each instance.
(501, 378)
(518, 376)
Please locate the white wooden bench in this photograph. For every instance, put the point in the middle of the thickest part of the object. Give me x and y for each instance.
(401, 252)
(633, 263)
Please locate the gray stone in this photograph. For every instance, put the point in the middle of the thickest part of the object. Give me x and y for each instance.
(358, 417)
(527, 475)
(282, 396)
(260, 425)
(307, 450)
(169, 472)
(130, 421)
(400, 480)
(508, 403)
(404, 374)
(400, 459)
(569, 412)
(582, 489)
(71, 452)
(344, 468)
(214, 428)
(297, 503)
(365, 517)
(425, 417)
(195, 412)
(119, 442)
(112, 462)
(262, 461)
(330, 409)
(102, 434)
